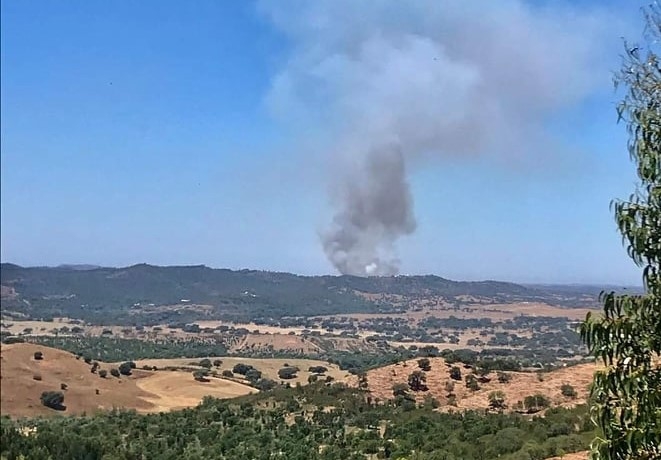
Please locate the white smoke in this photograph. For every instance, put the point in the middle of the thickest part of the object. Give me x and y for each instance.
(394, 83)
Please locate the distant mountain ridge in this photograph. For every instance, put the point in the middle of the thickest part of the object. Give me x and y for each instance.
(98, 293)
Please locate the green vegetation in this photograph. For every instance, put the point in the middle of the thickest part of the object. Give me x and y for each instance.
(52, 399)
(126, 367)
(568, 391)
(294, 423)
(626, 395)
(112, 349)
(497, 400)
(288, 372)
(133, 295)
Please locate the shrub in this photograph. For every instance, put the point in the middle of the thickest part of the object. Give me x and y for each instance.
(535, 403)
(287, 372)
(317, 369)
(36, 377)
(52, 399)
(38, 355)
(568, 391)
(103, 373)
(200, 375)
(313, 378)
(241, 368)
(95, 366)
(417, 381)
(455, 373)
(114, 372)
(206, 362)
(253, 375)
(471, 383)
(400, 389)
(424, 364)
(497, 400)
(449, 387)
(125, 368)
(217, 362)
(63, 386)
(503, 377)
(265, 384)
(227, 373)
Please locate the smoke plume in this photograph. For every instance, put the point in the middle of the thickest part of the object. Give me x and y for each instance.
(394, 84)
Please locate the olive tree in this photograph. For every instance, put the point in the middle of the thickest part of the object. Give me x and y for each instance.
(626, 394)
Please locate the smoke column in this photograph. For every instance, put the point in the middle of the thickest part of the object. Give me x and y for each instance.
(395, 84)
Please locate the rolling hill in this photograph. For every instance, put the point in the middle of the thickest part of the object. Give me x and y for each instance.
(144, 391)
(521, 384)
(142, 293)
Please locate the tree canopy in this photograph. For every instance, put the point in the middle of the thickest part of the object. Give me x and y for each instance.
(626, 395)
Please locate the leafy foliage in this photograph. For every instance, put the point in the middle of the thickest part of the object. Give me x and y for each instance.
(52, 399)
(295, 423)
(627, 338)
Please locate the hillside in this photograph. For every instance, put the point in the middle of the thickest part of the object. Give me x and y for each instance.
(144, 391)
(150, 294)
(521, 384)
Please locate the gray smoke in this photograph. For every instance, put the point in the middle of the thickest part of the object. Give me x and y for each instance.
(375, 210)
(394, 84)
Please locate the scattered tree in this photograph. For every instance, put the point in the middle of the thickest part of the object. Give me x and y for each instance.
(568, 391)
(497, 400)
(217, 362)
(53, 399)
(535, 403)
(503, 377)
(471, 382)
(200, 375)
(241, 368)
(103, 373)
(38, 355)
(417, 381)
(206, 363)
(114, 372)
(227, 373)
(253, 375)
(424, 364)
(400, 389)
(455, 373)
(125, 368)
(287, 372)
(317, 369)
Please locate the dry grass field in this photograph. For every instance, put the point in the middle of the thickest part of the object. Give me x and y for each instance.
(144, 391)
(178, 390)
(522, 384)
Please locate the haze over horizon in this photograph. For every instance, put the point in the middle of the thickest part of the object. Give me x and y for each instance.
(241, 135)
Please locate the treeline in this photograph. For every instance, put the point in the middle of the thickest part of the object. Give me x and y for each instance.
(135, 295)
(113, 349)
(315, 422)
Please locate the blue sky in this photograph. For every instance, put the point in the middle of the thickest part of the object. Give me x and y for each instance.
(143, 132)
